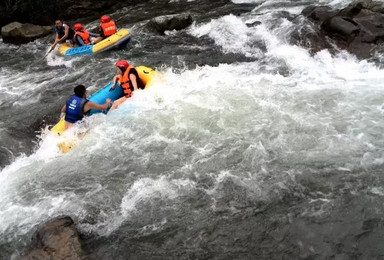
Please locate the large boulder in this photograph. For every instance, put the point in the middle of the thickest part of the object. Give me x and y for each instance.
(318, 13)
(374, 6)
(57, 239)
(164, 23)
(22, 33)
(343, 27)
(372, 26)
(358, 28)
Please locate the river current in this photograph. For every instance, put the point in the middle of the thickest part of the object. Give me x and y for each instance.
(251, 148)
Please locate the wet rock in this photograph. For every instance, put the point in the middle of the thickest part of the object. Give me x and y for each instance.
(318, 13)
(358, 28)
(164, 23)
(310, 37)
(374, 6)
(372, 26)
(57, 239)
(341, 26)
(22, 33)
(256, 23)
(351, 10)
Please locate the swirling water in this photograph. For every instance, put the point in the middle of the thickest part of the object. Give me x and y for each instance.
(252, 148)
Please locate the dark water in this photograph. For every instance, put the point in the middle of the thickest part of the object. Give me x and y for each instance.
(252, 148)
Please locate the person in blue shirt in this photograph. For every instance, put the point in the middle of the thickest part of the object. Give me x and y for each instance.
(78, 106)
(64, 33)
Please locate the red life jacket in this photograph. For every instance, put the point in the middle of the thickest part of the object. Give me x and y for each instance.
(107, 29)
(84, 35)
(125, 81)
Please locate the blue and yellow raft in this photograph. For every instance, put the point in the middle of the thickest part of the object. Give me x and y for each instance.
(147, 76)
(119, 40)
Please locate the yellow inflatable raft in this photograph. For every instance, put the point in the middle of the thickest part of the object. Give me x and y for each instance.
(148, 77)
(119, 39)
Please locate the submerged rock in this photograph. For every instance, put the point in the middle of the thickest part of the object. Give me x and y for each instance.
(22, 33)
(56, 239)
(256, 23)
(164, 23)
(358, 28)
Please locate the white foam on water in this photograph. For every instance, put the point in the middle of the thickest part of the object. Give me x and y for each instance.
(20, 218)
(143, 193)
(335, 3)
(145, 189)
(248, 1)
(377, 191)
(229, 32)
(267, 4)
(55, 59)
(306, 118)
(20, 89)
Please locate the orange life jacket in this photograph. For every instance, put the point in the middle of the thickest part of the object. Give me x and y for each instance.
(84, 35)
(107, 29)
(125, 81)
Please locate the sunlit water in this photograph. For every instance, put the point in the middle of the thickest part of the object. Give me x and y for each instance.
(251, 148)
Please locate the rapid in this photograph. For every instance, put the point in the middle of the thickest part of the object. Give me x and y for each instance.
(252, 148)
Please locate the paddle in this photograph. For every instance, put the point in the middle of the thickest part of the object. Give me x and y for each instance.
(52, 48)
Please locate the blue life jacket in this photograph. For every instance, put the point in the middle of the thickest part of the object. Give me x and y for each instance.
(61, 32)
(74, 109)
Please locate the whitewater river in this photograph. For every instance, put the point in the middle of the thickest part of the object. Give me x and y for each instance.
(252, 148)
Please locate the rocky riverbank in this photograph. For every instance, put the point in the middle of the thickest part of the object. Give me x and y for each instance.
(358, 28)
(43, 12)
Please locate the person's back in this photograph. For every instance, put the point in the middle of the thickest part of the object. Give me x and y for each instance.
(78, 106)
(75, 109)
(107, 26)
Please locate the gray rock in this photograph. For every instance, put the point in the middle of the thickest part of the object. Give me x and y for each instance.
(57, 239)
(256, 23)
(341, 26)
(318, 13)
(372, 26)
(374, 6)
(350, 11)
(358, 28)
(22, 33)
(164, 23)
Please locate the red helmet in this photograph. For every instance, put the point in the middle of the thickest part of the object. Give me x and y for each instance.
(122, 63)
(105, 19)
(78, 27)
